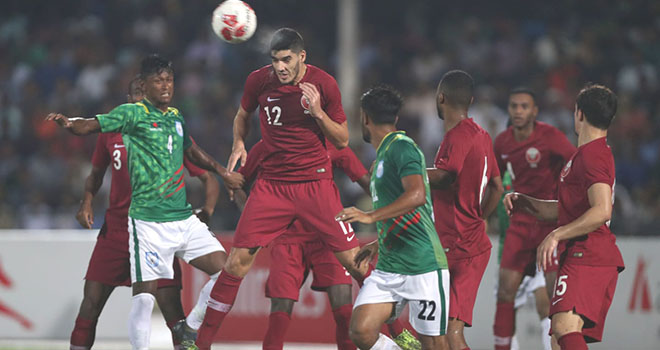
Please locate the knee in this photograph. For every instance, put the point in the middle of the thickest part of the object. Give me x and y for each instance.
(506, 292)
(238, 265)
(362, 336)
(91, 307)
(281, 305)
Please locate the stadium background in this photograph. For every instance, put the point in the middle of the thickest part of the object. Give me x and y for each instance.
(77, 57)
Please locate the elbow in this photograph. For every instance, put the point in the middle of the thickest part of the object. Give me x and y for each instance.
(341, 143)
(606, 215)
(419, 199)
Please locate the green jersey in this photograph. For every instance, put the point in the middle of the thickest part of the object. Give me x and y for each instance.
(407, 244)
(502, 216)
(154, 144)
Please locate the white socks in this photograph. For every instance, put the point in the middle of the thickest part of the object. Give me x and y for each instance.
(545, 338)
(385, 343)
(196, 315)
(139, 320)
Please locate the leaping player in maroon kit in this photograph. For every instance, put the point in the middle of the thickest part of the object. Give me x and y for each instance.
(299, 109)
(466, 187)
(591, 262)
(297, 252)
(109, 265)
(534, 153)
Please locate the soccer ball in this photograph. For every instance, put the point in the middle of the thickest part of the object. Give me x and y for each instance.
(234, 21)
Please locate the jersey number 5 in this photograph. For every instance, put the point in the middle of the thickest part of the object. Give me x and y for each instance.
(277, 113)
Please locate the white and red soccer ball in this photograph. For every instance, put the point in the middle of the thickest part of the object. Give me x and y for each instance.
(234, 21)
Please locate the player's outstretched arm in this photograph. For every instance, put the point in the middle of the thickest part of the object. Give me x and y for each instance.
(211, 194)
(414, 195)
(199, 157)
(85, 215)
(492, 196)
(335, 132)
(78, 125)
(440, 179)
(546, 210)
(241, 129)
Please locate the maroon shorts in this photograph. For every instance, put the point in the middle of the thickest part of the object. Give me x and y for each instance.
(587, 291)
(293, 263)
(110, 262)
(464, 279)
(522, 240)
(274, 205)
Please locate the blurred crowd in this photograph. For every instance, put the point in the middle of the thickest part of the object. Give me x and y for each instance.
(77, 57)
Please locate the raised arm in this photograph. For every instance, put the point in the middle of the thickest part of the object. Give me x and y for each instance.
(241, 129)
(414, 195)
(546, 210)
(85, 215)
(337, 133)
(78, 125)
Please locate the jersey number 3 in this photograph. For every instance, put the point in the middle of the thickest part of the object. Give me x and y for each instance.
(116, 159)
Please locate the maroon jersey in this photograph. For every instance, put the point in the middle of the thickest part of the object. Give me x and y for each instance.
(534, 163)
(467, 152)
(110, 150)
(592, 163)
(343, 159)
(294, 143)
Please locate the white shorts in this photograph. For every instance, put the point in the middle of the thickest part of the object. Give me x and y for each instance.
(427, 293)
(157, 243)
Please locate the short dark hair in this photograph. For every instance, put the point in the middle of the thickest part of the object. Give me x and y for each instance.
(458, 88)
(598, 103)
(523, 90)
(287, 39)
(154, 64)
(382, 104)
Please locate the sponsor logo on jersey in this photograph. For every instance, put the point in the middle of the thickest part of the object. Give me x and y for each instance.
(152, 259)
(533, 157)
(304, 102)
(380, 169)
(566, 170)
(119, 146)
(272, 99)
(179, 128)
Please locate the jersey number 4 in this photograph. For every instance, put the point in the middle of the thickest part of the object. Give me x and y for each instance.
(275, 119)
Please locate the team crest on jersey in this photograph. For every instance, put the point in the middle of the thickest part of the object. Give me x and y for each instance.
(179, 128)
(533, 156)
(152, 259)
(304, 102)
(380, 169)
(566, 170)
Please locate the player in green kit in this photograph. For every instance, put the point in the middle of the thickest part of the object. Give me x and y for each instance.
(412, 267)
(161, 223)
